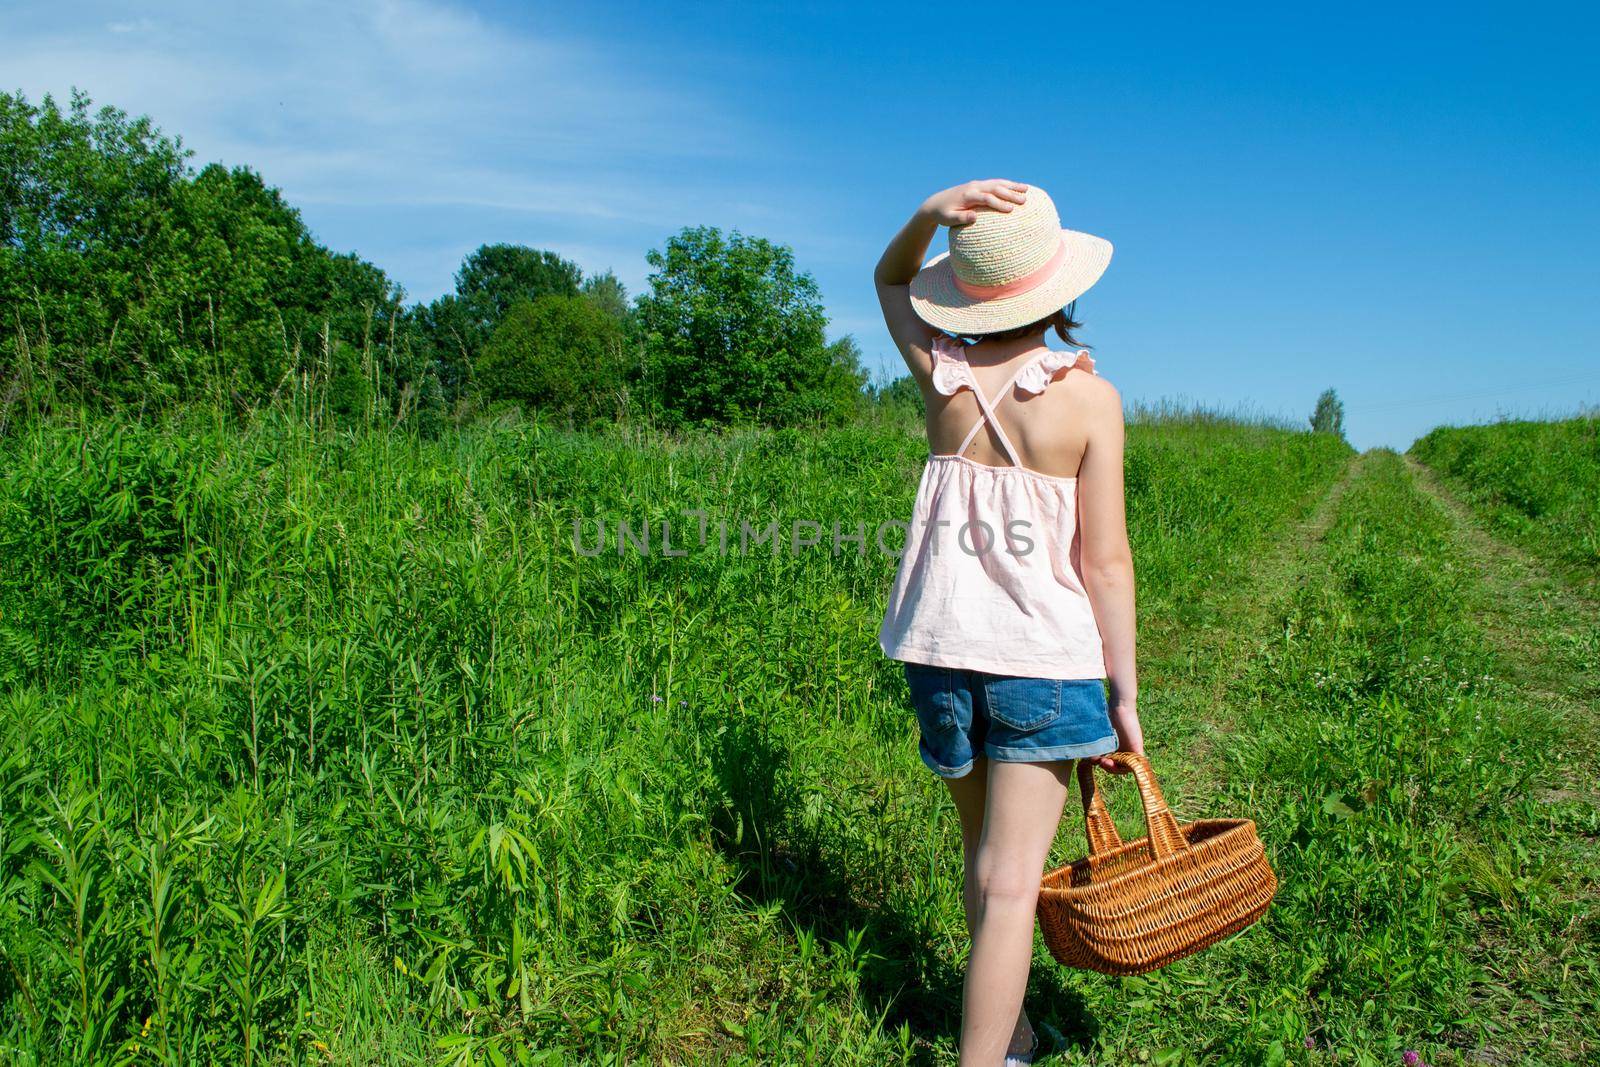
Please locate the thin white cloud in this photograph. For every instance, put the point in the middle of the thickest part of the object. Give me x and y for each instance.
(411, 104)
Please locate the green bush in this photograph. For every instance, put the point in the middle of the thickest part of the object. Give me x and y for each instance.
(560, 354)
(349, 389)
(897, 395)
(734, 333)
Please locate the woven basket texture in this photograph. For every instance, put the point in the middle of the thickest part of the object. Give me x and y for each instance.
(1132, 907)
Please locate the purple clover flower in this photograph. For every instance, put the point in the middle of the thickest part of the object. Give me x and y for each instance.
(1410, 1058)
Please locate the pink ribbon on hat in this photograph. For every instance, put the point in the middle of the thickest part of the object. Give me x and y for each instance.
(1031, 280)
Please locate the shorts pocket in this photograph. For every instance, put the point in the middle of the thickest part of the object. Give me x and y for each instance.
(933, 695)
(1023, 704)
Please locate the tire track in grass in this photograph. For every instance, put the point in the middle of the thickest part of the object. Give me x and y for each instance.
(1379, 754)
(1355, 750)
(1197, 685)
(1547, 633)
(1186, 674)
(1461, 889)
(1187, 679)
(1544, 639)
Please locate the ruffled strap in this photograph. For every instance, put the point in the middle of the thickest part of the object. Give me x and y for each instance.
(1037, 374)
(951, 372)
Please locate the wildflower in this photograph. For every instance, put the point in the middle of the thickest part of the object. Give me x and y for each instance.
(656, 698)
(1410, 1058)
(1310, 1042)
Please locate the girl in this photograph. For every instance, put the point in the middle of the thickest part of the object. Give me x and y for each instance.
(1013, 605)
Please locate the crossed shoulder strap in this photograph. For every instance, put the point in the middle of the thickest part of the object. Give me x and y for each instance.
(990, 417)
(952, 373)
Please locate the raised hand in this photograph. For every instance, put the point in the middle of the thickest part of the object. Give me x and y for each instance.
(960, 204)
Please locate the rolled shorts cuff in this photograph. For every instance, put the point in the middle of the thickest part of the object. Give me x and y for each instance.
(1104, 746)
(947, 772)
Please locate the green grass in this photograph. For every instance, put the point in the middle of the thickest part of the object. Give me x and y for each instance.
(1536, 483)
(1398, 780)
(326, 747)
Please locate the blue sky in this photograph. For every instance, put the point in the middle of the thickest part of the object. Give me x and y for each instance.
(1398, 201)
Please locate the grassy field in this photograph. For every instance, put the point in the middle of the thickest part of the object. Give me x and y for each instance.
(1534, 483)
(331, 747)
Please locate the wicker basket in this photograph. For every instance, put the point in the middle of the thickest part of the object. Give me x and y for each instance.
(1131, 908)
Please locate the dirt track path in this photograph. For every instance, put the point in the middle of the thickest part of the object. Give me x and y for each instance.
(1193, 685)
(1545, 641)
(1219, 690)
(1548, 634)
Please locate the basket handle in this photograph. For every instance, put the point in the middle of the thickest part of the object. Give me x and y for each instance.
(1165, 836)
(1103, 836)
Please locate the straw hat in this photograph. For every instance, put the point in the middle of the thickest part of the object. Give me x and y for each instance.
(1007, 269)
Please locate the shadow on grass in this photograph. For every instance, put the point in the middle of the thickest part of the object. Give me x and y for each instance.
(906, 980)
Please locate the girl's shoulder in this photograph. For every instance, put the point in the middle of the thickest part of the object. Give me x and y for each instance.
(1076, 370)
(1084, 396)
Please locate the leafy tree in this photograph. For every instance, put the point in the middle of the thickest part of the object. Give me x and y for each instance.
(444, 338)
(1329, 414)
(842, 388)
(496, 277)
(82, 200)
(560, 354)
(126, 276)
(734, 333)
(899, 395)
(349, 389)
(608, 293)
(273, 289)
(452, 331)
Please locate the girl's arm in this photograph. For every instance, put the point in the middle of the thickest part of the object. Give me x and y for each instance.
(955, 206)
(1108, 561)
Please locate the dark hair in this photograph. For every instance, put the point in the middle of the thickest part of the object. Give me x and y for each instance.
(1062, 320)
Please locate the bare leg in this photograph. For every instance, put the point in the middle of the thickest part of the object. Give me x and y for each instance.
(1021, 812)
(970, 793)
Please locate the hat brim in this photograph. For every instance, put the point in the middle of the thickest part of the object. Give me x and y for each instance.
(938, 302)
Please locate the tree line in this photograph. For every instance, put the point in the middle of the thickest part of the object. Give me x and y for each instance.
(129, 278)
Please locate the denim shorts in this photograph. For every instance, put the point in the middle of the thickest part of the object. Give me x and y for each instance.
(963, 714)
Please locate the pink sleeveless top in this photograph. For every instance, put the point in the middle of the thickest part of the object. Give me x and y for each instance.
(991, 578)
